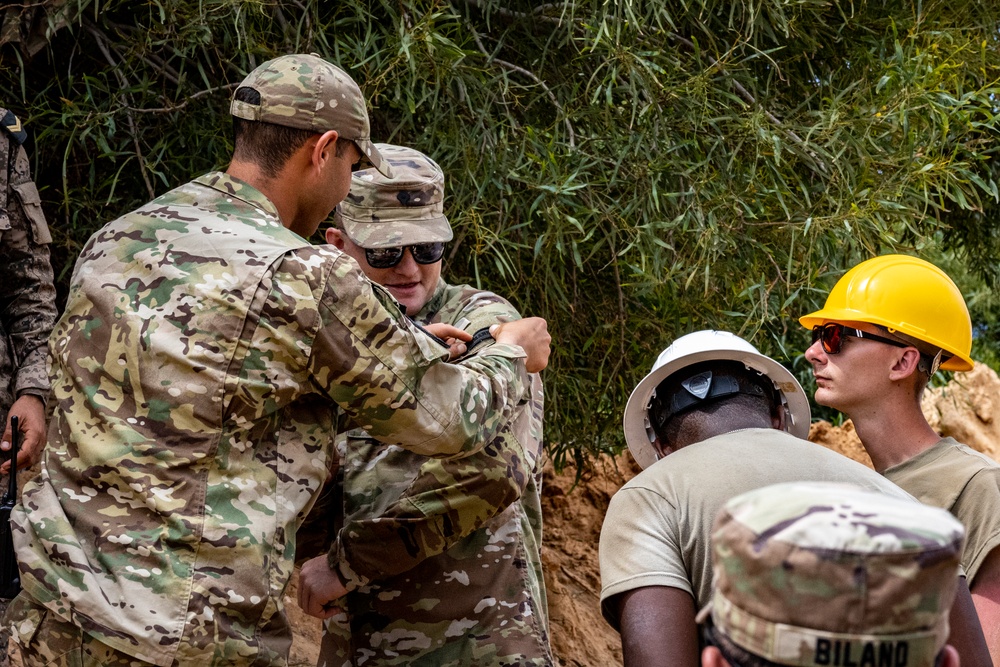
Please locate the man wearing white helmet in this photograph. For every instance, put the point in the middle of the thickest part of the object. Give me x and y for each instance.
(886, 327)
(715, 418)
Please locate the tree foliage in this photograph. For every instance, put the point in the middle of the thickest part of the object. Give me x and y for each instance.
(630, 169)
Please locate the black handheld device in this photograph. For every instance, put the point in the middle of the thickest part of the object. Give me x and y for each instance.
(10, 577)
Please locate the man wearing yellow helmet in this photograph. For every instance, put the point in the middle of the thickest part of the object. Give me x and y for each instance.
(887, 326)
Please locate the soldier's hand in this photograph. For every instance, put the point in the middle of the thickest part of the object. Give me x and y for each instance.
(319, 586)
(455, 338)
(532, 334)
(30, 413)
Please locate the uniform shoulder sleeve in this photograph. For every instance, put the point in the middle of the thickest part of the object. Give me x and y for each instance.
(12, 126)
(27, 294)
(640, 546)
(473, 309)
(978, 508)
(446, 501)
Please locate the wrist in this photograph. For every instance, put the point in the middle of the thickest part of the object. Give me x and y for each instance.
(37, 397)
(336, 559)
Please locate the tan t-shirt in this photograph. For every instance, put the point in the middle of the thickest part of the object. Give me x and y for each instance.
(959, 479)
(657, 531)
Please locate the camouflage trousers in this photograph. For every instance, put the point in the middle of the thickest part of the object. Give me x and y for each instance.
(4, 635)
(45, 640)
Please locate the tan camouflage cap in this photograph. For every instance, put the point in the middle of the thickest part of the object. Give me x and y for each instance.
(830, 574)
(402, 209)
(306, 92)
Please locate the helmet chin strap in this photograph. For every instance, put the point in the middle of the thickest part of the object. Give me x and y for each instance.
(698, 389)
(930, 365)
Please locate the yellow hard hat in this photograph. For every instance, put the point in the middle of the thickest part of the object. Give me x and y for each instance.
(907, 295)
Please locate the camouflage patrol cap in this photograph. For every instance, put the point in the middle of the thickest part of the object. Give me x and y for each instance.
(308, 93)
(830, 574)
(403, 209)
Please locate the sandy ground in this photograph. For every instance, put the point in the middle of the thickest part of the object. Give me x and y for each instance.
(966, 409)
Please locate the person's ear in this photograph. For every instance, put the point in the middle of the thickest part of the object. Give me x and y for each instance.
(779, 417)
(662, 450)
(335, 237)
(712, 657)
(906, 363)
(325, 149)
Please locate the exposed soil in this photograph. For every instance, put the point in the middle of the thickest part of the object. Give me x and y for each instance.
(841, 439)
(966, 408)
(574, 512)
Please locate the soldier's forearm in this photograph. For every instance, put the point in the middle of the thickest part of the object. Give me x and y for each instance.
(32, 377)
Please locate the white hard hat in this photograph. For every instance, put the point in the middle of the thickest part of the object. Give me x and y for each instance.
(708, 346)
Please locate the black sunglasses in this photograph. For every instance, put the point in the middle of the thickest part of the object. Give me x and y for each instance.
(833, 335)
(423, 253)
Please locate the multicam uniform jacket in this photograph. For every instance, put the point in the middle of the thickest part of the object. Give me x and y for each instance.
(443, 556)
(205, 356)
(27, 295)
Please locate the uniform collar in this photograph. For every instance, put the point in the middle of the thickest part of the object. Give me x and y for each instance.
(234, 187)
(434, 304)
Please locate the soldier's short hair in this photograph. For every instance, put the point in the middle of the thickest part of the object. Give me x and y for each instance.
(269, 145)
(265, 144)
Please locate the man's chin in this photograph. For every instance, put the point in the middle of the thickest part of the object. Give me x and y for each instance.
(823, 397)
(408, 298)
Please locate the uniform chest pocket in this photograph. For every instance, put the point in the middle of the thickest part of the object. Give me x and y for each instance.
(31, 203)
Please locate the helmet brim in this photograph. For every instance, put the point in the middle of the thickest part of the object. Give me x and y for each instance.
(957, 362)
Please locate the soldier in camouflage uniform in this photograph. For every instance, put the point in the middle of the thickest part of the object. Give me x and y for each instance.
(831, 575)
(441, 557)
(27, 295)
(27, 305)
(205, 357)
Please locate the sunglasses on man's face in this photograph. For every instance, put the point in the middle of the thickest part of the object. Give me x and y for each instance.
(832, 337)
(423, 253)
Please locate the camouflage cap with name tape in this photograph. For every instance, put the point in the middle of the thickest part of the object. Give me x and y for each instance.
(306, 92)
(830, 574)
(404, 209)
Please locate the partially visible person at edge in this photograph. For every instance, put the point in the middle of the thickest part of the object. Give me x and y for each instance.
(206, 355)
(441, 558)
(713, 419)
(27, 307)
(887, 326)
(818, 574)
